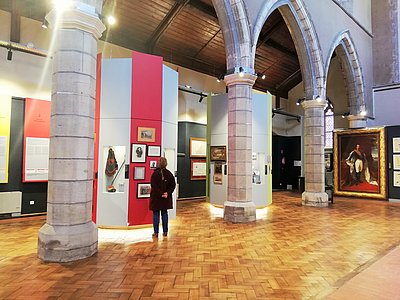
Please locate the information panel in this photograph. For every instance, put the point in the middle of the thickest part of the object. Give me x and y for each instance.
(5, 117)
(36, 140)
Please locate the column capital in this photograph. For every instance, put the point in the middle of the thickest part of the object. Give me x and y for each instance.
(357, 121)
(77, 18)
(235, 78)
(313, 104)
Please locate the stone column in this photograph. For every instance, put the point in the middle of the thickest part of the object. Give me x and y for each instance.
(69, 233)
(314, 194)
(357, 121)
(239, 208)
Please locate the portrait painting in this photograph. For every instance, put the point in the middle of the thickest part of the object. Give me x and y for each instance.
(138, 153)
(359, 161)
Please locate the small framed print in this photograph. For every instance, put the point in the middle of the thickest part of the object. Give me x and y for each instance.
(396, 161)
(218, 153)
(198, 147)
(396, 178)
(153, 151)
(217, 178)
(139, 173)
(396, 145)
(198, 170)
(143, 190)
(138, 153)
(153, 164)
(146, 134)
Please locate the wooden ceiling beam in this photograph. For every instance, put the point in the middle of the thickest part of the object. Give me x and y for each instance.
(165, 23)
(290, 82)
(205, 8)
(280, 48)
(267, 35)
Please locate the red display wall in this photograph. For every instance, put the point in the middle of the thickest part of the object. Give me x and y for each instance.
(146, 111)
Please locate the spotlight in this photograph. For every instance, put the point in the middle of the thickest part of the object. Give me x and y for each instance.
(220, 78)
(45, 24)
(201, 98)
(111, 20)
(318, 98)
(346, 114)
(263, 76)
(363, 113)
(300, 101)
(241, 72)
(188, 86)
(9, 54)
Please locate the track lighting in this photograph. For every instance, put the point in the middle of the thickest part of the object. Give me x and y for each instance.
(261, 75)
(363, 113)
(9, 54)
(346, 114)
(220, 78)
(318, 98)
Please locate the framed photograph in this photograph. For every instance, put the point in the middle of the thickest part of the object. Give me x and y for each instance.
(396, 161)
(154, 151)
(359, 163)
(146, 134)
(138, 153)
(396, 145)
(198, 147)
(217, 178)
(139, 173)
(153, 164)
(218, 153)
(396, 178)
(198, 169)
(143, 190)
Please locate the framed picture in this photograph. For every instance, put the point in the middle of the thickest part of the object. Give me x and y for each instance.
(138, 153)
(153, 164)
(198, 147)
(359, 163)
(146, 134)
(139, 173)
(154, 151)
(217, 178)
(198, 169)
(396, 161)
(396, 145)
(143, 190)
(396, 178)
(218, 153)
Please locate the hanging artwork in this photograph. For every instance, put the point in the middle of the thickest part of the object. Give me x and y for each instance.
(360, 168)
(217, 178)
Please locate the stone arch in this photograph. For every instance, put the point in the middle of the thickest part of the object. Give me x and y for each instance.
(305, 40)
(352, 73)
(234, 22)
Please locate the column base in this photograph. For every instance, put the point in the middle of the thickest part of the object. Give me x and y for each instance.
(315, 199)
(67, 243)
(239, 212)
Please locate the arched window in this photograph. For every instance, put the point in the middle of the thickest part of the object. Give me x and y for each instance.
(329, 125)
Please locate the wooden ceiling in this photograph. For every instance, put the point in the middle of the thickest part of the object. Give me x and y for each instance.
(187, 33)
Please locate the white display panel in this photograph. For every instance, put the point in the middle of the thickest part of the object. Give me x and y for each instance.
(3, 158)
(36, 159)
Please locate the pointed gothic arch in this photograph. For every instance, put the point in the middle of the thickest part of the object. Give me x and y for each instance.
(345, 50)
(305, 40)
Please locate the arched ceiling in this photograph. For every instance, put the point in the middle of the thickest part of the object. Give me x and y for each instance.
(187, 33)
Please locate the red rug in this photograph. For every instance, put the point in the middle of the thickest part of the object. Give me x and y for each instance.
(362, 187)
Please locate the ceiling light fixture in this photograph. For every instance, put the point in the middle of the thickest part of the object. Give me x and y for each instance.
(201, 98)
(363, 113)
(346, 114)
(300, 101)
(318, 98)
(45, 24)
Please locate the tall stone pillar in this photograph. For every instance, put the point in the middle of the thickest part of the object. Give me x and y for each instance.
(357, 121)
(69, 233)
(239, 208)
(314, 194)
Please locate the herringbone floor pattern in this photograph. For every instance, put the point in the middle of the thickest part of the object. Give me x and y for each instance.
(290, 252)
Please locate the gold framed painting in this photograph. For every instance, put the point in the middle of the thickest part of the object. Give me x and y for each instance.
(146, 134)
(218, 153)
(198, 147)
(359, 163)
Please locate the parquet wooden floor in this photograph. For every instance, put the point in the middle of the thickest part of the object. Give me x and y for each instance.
(290, 252)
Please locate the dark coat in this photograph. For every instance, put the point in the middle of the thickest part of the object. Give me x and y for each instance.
(158, 187)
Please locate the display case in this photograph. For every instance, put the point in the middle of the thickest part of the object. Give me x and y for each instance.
(114, 158)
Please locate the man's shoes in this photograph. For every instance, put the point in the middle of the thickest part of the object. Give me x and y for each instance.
(155, 235)
(165, 234)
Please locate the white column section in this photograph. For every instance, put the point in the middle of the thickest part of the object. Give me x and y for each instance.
(357, 122)
(314, 194)
(69, 233)
(239, 208)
